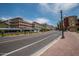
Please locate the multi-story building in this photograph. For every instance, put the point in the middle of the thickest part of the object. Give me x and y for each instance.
(19, 23)
(66, 23)
(41, 27)
(70, 23)
(3, 25)
(36, 26)
(47, 27)
(77, 25)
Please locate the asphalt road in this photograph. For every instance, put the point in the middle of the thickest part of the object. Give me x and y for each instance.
(26, 45)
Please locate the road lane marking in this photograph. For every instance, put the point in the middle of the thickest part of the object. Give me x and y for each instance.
(44, 49)
(23, 38)
(25, 46)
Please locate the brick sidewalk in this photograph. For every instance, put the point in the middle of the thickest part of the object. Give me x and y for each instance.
(65, 47)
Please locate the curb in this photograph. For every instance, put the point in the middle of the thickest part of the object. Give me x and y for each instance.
(41, 51)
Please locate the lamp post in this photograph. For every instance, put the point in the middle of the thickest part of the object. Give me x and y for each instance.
(62, 24)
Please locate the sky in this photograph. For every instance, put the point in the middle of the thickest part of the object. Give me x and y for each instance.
(39, 12)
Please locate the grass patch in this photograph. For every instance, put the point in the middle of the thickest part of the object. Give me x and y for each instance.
(15, 34)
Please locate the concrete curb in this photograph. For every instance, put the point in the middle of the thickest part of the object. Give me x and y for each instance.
(41, 51)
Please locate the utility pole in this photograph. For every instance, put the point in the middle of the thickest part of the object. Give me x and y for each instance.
(62, 24)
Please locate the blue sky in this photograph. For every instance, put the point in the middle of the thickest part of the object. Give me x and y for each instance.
(42, 13)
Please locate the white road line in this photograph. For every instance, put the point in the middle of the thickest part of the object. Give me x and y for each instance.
(25, 46)
(41, 51)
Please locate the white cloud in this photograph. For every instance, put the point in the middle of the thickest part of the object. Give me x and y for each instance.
(42, 20)
(44, 7)
(5, 18)
(27, 20)
(39, 20)
(64, 6)
(56, 7)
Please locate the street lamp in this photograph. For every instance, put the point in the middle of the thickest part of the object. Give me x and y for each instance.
(62, 24)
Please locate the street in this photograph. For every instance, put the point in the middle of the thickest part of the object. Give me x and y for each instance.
(26, 45)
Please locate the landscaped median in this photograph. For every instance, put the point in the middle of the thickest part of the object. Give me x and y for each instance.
(15, 34)
(19, 33)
